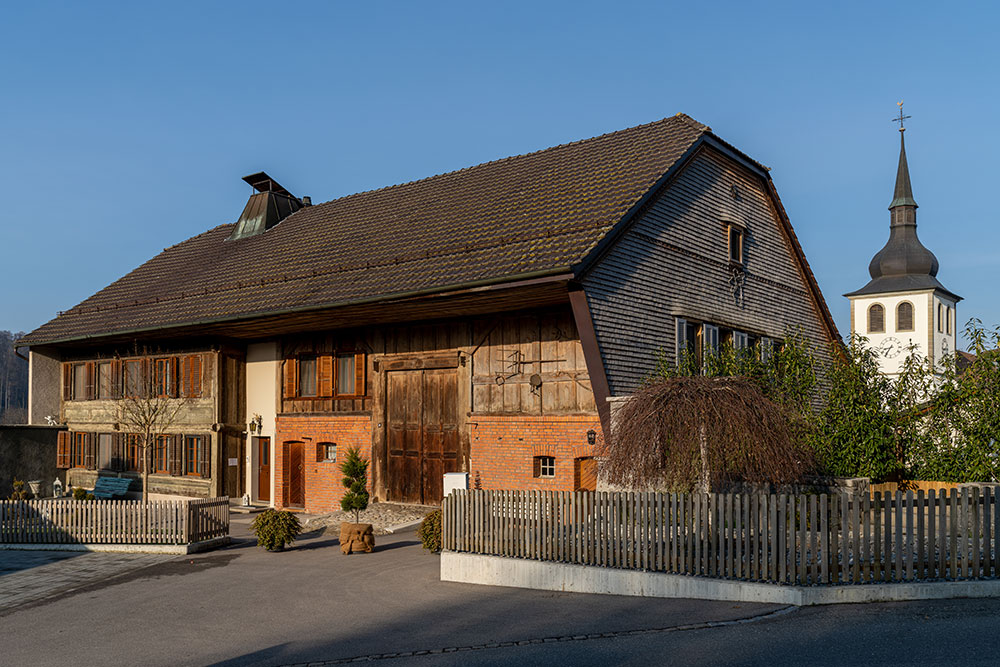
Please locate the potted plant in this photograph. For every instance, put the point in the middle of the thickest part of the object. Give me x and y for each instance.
(275, 528)
(355, 537)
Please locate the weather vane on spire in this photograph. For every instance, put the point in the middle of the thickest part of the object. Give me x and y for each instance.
(901, 116)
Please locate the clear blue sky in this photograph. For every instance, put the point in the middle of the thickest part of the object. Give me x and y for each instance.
(125, 127)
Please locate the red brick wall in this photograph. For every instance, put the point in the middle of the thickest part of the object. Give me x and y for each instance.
(504, 447)
(323, 487)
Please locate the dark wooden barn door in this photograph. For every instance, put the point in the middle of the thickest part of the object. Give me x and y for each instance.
(295, 474)
(422, 433)
(232, 465)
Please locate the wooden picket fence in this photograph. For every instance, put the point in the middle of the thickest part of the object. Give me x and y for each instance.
(787, 539)
(67, 521)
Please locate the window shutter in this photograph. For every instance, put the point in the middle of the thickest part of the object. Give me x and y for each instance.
(172, 382)
(291, 378)
(191, 376)
(538, 466)
(359, 374)
(67, 381)
(176, 454)
(116, 378)
(91, 380)
(682, 340)
(324, 376)
(204, 460)
(62, 449)
(320, 451)
(90, 451)
(145, 383)
(710, 339)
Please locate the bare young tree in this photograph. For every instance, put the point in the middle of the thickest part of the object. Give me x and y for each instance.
(144, 411)
(691, 433)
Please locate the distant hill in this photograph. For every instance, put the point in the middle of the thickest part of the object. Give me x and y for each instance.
(13, 381)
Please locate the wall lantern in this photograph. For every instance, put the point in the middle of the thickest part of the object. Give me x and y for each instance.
(57, 488)
(591, 437)
(256, 424)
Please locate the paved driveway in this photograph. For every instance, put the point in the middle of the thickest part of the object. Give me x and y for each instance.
(242, 605)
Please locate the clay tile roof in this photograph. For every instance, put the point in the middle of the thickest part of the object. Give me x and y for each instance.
(494, 222)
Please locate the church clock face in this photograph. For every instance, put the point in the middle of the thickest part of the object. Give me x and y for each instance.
(890, 347)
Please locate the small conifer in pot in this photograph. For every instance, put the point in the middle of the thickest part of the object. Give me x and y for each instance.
(355, 537)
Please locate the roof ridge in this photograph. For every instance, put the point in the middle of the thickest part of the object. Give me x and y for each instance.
(700, 127)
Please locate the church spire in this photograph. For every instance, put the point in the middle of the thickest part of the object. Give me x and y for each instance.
(903, 194)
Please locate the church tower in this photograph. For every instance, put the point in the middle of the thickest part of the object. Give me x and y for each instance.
(904, 304)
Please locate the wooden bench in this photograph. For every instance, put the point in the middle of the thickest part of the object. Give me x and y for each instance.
(111, 487)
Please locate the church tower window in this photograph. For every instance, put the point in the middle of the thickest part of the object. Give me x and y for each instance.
(876, 318)
(904, 316)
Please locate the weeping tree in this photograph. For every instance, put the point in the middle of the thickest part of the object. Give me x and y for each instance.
(692, 433)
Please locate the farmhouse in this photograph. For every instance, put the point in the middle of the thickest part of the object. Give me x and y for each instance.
(474, 321)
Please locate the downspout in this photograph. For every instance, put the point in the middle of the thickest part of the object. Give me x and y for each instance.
(18, 354)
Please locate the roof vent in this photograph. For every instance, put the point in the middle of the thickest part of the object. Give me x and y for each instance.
(268, 206)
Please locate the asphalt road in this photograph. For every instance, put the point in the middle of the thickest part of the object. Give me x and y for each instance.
(244, 606)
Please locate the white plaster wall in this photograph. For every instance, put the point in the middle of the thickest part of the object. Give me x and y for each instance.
(263, 364)
(43, 387)
(924, 336)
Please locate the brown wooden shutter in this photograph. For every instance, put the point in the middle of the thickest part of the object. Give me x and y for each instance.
(191, 376)
(291, 378)
(359, 374)
(63, 440)
(172, 369)
(146, 383)
(90, 451)
(324, 376)
(116, 378)
(91, 377)
(67, 381)
(177, 455)
(537, 466)
(205, 460)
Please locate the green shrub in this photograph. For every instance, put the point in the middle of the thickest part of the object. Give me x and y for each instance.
(355, 469)
(430, 531)
(79, 493)
(275, 528)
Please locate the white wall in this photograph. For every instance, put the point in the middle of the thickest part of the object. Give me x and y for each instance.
(263, 365)
(924, 336)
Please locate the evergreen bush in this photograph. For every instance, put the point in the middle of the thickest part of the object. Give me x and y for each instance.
(275, 528)
(429, 531)
(355, 469)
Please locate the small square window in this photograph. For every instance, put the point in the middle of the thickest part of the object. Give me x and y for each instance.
(545, 466)
(326, 451)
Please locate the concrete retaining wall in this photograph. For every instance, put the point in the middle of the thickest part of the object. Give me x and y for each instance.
(541, 575)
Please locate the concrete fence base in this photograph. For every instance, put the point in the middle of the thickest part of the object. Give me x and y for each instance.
(542, 575)
(181, 549)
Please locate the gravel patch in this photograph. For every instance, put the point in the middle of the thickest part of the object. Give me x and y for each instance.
(382, 516)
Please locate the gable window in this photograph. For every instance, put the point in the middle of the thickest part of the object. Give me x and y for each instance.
(735, 244)
(307, 376)
(545, 466)
(876, 318)
(904, 316)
